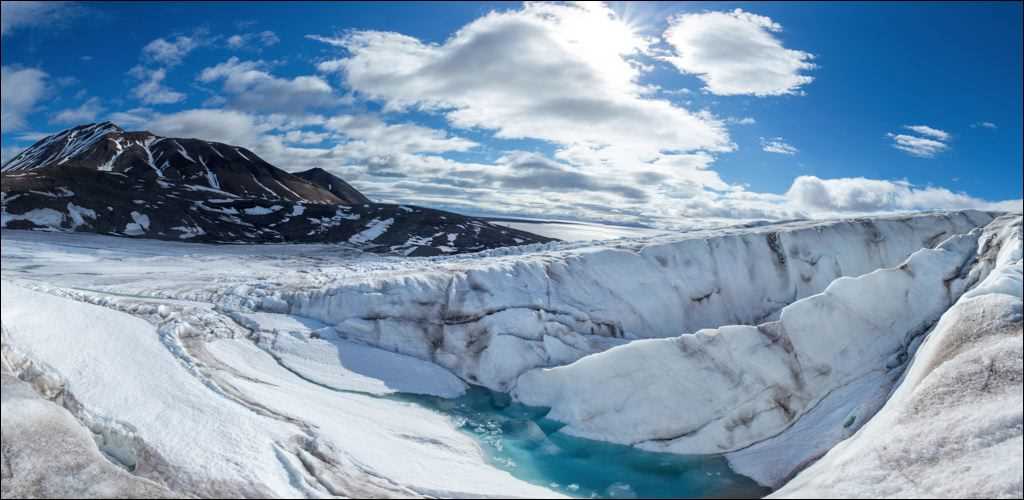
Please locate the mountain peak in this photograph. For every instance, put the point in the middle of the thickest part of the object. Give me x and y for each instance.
(232, 170)
(104, 125)
(335, 185)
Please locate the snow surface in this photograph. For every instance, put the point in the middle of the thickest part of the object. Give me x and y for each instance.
(48, 454)
(285, 436)
(578, 231)
(314, 351)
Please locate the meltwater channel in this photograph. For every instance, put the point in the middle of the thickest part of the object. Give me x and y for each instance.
(519, 439)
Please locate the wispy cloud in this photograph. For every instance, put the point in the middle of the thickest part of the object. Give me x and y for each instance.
(777, 145)
(250, 86)
(15, 15)
(747, 120)
(989, 125)
(151, 89)
(929, 143)
(171, 51)
(934, 133)
(253, 40)
(84, 113)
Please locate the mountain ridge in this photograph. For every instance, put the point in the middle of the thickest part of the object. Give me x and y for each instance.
(101, 178)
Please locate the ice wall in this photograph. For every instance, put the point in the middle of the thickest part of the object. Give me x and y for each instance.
(953, 427)
(726, 390)
(491, 319)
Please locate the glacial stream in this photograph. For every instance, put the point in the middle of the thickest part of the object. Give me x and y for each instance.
(520, 440)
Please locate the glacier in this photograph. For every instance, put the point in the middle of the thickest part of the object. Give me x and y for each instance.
(492, 318)
(789, 351)
(729, 389)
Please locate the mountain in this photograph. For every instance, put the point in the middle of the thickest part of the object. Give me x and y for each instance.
(101, 178)
(343, 190)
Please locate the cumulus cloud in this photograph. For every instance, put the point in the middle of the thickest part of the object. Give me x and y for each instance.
(253, 40)
(736, 53)
(14, 15)
(934, 133)
(777, 145)
(562, 73)
(151, 89)
(251, 87)
(860, 195)
(22, 89)
(85, 113)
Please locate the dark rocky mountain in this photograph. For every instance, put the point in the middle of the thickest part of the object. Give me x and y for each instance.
(345, 192)
(100, 178)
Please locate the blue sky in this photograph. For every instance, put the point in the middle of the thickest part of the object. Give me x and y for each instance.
(644, 112)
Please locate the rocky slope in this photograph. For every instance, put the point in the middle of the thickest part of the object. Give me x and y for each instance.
(100, 178)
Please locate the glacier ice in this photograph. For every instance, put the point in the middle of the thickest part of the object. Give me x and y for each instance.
(491, 319)
(952, 428)
(288, 363)
(728, 389)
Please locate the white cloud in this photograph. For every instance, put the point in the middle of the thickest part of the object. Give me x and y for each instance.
(151, 89)
(741, 121)
(252, 88)
(253, 40)
(558, 73)
(399, 162)
(920, 147)
(86, 113)
(230, 127)
(305, 137)
(172, 52)
(131, 119)
(15, 15)
(373, 137)
(860, 195)
(777, 145)
(934, 133)
(988, 125)
(21, 90)
(736, 53)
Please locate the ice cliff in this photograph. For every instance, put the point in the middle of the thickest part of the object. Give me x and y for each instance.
(777, 395)
(492, 318)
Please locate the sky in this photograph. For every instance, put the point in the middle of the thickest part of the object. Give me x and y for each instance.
(641, 113)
